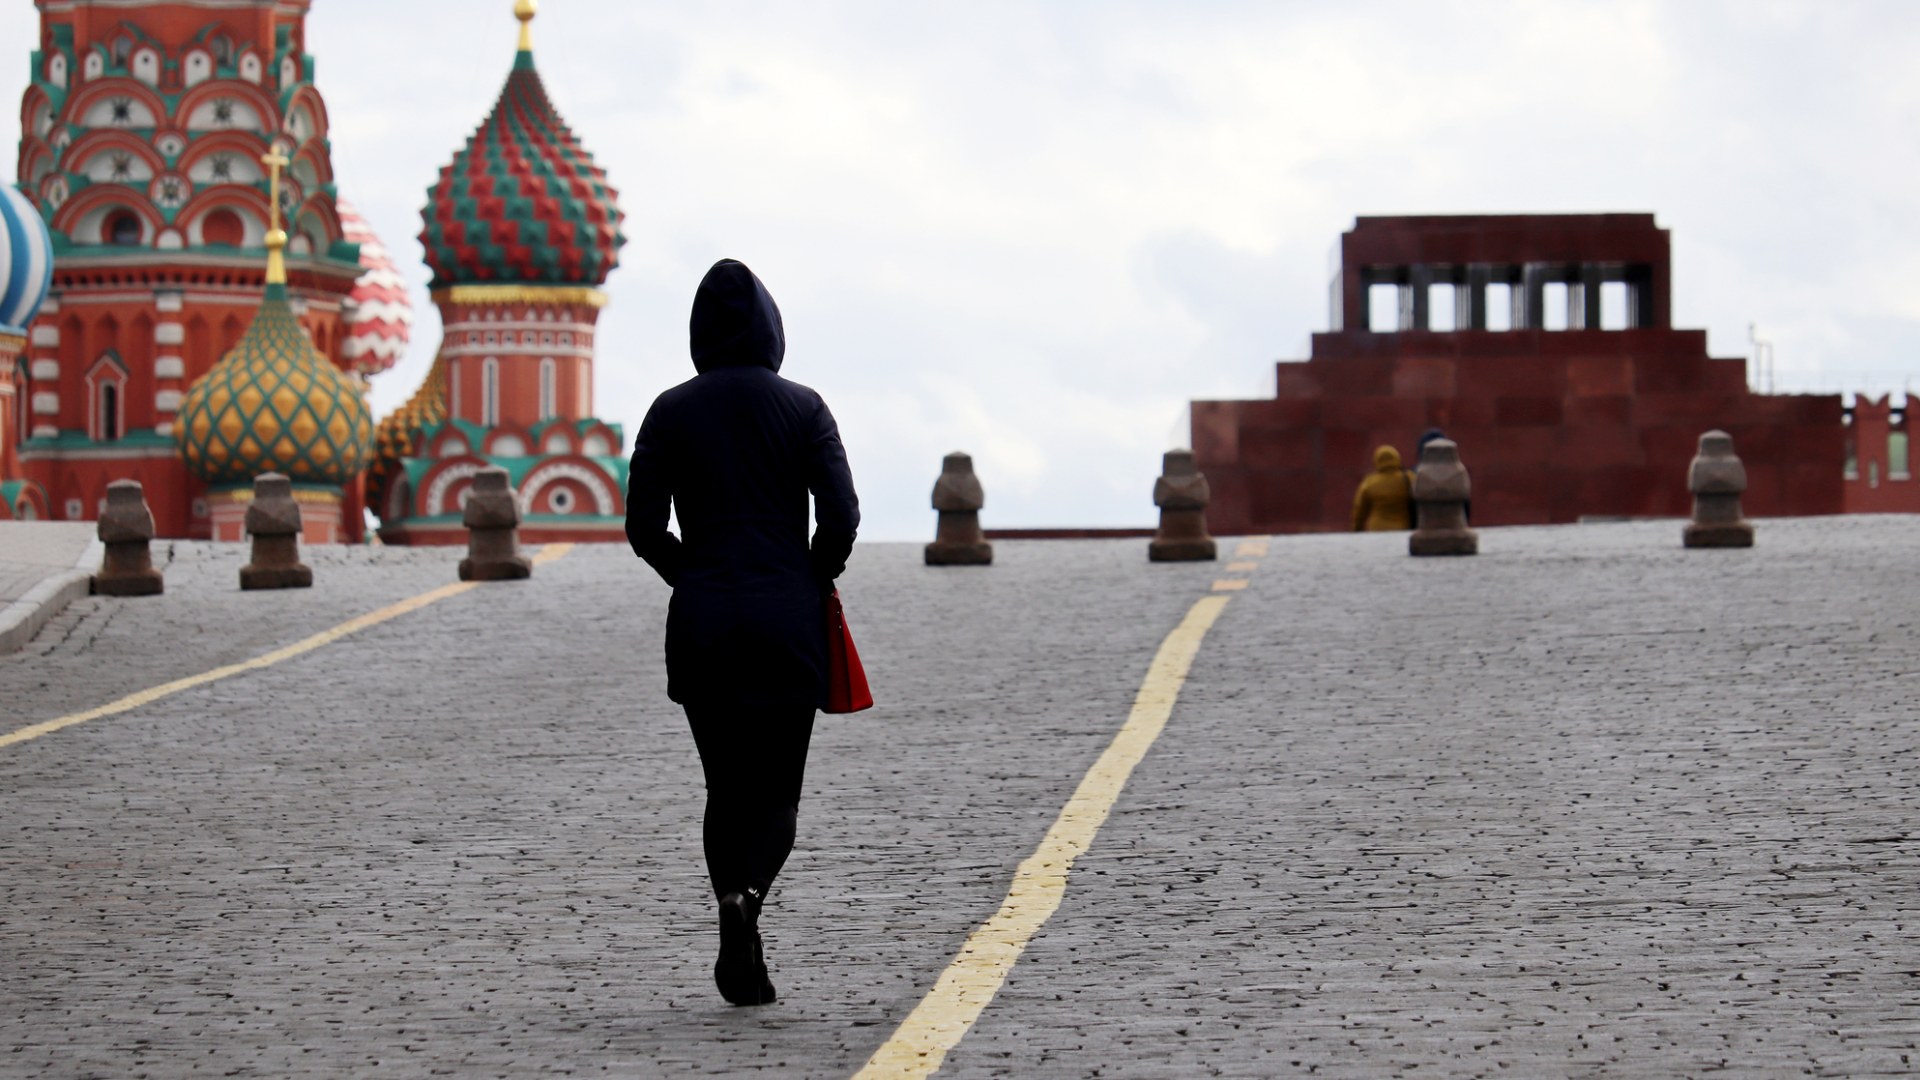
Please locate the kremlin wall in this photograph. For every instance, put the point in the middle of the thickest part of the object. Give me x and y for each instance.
(187, 301)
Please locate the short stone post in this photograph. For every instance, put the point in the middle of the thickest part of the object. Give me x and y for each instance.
(1441, 490)
(126, 528)
(492, 518)
(1717, 480)
(1182, 495)
(273, 521)
(958, 541)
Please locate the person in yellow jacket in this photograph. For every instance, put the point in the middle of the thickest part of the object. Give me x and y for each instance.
(1384, 502)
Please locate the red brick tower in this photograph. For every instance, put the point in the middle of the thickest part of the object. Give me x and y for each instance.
(1544, 346)
(142, 134)
(1880, 457)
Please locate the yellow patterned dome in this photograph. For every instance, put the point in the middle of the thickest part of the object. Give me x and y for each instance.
(274, 404)
(398, 436)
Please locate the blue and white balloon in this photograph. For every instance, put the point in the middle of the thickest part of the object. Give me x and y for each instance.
(26, 260)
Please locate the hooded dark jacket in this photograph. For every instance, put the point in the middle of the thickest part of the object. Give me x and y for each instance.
(736, 450)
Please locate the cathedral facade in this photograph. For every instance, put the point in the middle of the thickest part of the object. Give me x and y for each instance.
(142, 137)
(164, 147)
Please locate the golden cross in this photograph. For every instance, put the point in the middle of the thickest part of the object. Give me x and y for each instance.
(276, 238)
(274, 160)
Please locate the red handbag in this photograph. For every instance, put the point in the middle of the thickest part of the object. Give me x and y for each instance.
(847, 690)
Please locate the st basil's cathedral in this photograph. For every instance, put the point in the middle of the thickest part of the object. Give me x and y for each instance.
(185, 299)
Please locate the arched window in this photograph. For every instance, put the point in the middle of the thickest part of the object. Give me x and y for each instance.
(123, 229)
(109, 412)
(222, 227)
(489, 392)
(549, 387)
(106, 386)
(22, 401)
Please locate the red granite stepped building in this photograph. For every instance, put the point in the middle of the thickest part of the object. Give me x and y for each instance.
(142, 136)
(521, 230)
(1543, 345)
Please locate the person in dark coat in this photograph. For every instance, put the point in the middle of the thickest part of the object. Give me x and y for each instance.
(736, 450)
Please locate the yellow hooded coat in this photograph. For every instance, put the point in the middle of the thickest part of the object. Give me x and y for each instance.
(1384, 502)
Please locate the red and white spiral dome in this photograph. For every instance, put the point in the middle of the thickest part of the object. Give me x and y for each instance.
(379, 313)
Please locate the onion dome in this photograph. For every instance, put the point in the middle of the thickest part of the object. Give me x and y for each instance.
(523, 202)
(398, 436)
(26, 261)
(274, 404)
(379, 316)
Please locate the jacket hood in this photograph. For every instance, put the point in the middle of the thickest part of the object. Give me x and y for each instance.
(735, 322)
(1386, 459)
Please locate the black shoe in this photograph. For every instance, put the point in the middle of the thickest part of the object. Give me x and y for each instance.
(741, 973)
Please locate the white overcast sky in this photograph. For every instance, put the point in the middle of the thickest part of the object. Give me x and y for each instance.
(1034, 230)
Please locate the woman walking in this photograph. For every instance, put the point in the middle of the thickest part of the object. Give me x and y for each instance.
(736, 450)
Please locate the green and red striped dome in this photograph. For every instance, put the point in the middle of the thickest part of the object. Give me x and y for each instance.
(523, 203)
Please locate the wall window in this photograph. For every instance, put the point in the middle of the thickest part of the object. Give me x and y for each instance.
(489, 392)
(1443, 307)
(1615, 309)
(106, 398)
(22, 400)
(1553, 306)
(1383, 307)
(109, 412)
(549, 389)
(123, 229)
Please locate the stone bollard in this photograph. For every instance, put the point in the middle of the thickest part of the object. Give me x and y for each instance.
(958, 540)
(1182, 495)
(1716, 479)
(1441, 490)
(126, 528)
(492, 518)
(273, 520)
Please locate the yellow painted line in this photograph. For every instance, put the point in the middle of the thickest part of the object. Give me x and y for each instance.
(1229, 584)
(1255, 548)
(949, 1010)
(299, 648)
(1247, 567)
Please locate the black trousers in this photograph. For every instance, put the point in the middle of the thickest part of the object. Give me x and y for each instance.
(755, 759)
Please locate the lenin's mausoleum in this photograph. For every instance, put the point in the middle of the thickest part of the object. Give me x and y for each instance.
(1544, 346)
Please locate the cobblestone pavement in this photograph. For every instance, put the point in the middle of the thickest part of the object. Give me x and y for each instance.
(44, 566)
(1584, 805)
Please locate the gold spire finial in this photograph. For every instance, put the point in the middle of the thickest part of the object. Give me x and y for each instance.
(274, 160)
(525, 10)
